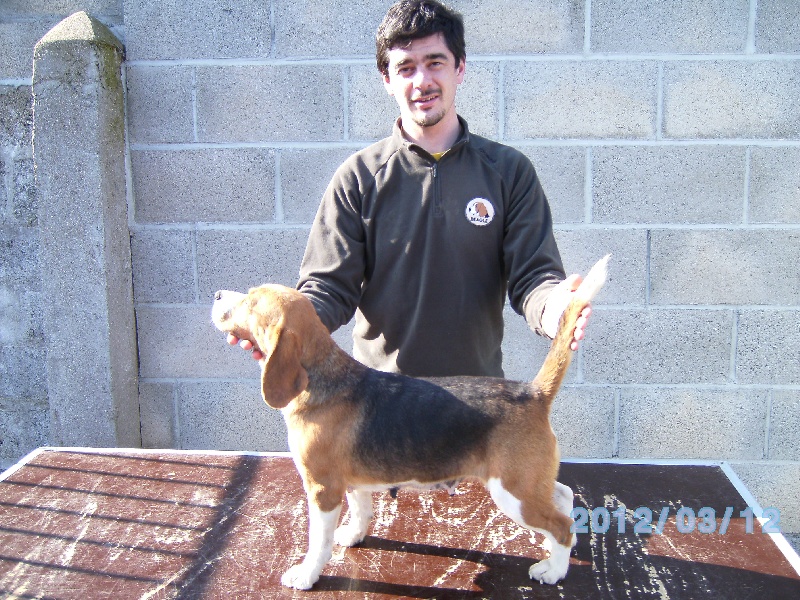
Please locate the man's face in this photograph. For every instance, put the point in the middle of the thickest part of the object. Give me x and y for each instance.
(423, 78)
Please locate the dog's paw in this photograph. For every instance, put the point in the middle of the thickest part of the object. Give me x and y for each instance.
(300, 577)
(549, 571)
(348, 535)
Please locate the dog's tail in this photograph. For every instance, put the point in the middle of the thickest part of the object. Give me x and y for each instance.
(558, 359)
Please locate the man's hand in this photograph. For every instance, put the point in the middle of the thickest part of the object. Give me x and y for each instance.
(556, 302)
(245, 345)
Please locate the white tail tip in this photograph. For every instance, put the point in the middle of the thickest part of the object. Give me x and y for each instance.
(594, 279)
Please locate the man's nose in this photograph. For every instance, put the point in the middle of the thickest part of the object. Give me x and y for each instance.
(421, 78)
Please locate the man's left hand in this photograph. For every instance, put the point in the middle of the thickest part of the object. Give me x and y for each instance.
(557, 301)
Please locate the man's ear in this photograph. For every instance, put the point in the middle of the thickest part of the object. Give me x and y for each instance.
(283, 378)
(386, 83)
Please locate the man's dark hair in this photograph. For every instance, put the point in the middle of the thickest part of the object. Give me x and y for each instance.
(409, 20)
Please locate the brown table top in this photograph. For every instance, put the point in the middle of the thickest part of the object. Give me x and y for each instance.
(166, 524)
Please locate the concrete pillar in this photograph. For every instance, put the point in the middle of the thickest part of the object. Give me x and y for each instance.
(79, 155)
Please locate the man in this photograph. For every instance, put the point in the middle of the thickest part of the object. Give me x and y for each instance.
(422, 234)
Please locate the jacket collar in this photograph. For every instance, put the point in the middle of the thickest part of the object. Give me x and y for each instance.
(401, 142)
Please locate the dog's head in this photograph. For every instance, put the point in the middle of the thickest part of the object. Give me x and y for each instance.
(276, 319)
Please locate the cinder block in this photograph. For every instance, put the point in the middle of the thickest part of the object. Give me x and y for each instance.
(477, 98)
(731, 99)
(224, 415)
(157, 412)
(571, 99)
(658, 347)
(642, 26)
(163, 266)
(22, 371)
(22, 368)
(182, 342)
(776, 26)
(774, 185)
(16, 121)
(20, 317)
(23, 427)
(784, 425)
(522, 26)
(239, 260)
(208, 185)
(173, 29)
(689, 423)
(270, 103)
(5, 167)
(18, 198)
(19, 269)
(523, 350)
(47, 8)
(326, 28)
(562, 173)
(766, 347)
(24, 199)
(774, 485)
(159, 104)
(304, 176)
(627, 271)
(16, 47)
(372, 111)
(686, 184)
(584, 421)
(725, 267)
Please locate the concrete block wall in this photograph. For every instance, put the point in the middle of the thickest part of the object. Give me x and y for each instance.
(23, 389)
(667, 133)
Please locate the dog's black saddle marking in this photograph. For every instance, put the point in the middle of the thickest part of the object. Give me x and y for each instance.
(417, 429)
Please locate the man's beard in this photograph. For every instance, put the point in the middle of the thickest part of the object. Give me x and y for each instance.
(429, 120)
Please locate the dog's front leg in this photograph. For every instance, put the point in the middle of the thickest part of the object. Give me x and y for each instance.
(321, 526)
(359, 514)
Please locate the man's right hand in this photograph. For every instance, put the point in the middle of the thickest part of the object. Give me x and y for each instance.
(245, 345)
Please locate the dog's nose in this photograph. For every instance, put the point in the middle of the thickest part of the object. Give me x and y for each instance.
(218, 295)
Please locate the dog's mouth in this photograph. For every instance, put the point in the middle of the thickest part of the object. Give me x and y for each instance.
(224, 303)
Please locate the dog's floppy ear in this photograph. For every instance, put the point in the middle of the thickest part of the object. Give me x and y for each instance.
(283, 378)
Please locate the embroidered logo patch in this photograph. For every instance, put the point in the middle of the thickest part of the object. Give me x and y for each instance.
(480, 212)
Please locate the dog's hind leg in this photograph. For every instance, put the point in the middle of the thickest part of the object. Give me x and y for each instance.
(359, 514)
(563, 498)
(321, 525)
(547, 519)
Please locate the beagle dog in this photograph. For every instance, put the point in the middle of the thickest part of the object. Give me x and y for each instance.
(354, 430)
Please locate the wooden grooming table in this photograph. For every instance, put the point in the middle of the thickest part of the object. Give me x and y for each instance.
(80, 523)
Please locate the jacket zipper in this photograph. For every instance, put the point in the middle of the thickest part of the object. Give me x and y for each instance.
(438, 211)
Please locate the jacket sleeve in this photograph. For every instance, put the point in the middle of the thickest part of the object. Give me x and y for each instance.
(533, 263)
(333, 266)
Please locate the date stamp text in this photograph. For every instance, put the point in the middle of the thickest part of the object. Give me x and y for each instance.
(646, 522)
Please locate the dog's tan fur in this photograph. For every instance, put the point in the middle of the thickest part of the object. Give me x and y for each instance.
(510, 443)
